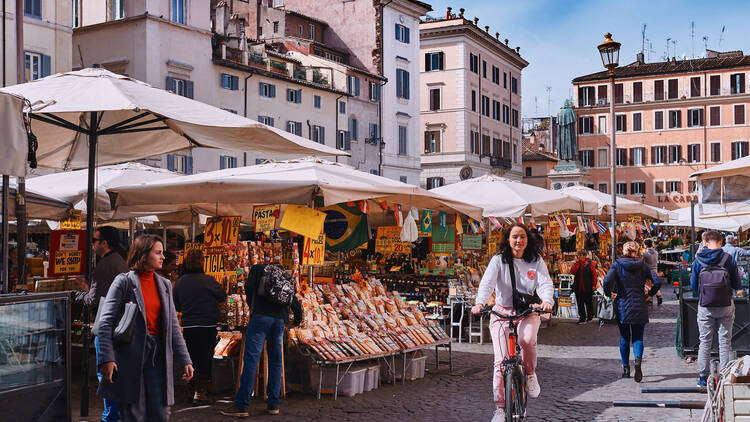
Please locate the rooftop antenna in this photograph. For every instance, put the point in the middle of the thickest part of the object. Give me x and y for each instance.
(650, 49)
(549, 99)
(674, 48)
(643, 38)
(666, 54)
(692, 39)
(536, 107)
(705, 44)
(721, 37)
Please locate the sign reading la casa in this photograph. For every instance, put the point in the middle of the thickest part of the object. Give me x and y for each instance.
(676, 198)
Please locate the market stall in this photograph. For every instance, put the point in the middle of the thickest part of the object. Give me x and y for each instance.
(724, 190)
(298, 209)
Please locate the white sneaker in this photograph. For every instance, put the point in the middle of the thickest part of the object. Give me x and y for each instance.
(499, 415)
(532, 386)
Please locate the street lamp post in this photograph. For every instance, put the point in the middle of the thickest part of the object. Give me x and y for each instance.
(610, 52)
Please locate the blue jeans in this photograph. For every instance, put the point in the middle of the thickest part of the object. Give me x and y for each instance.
(110, 412)
(261, 328)
(631, 333)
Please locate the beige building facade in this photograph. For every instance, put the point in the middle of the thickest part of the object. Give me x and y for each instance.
(200, 51)
(47, 37)
(470, 91)
(672, 118)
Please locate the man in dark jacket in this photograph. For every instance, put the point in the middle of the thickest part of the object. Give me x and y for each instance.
(267, 321)
(106, 246)
(714, 267)
(585, 280)
(197, 295)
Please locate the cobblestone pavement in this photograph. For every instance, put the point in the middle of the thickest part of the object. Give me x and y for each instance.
(579, 371)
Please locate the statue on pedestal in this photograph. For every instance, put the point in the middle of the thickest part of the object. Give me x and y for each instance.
(567, 144)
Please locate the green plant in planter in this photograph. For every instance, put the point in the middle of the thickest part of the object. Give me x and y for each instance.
(319, 78)
(258, 60)
(278, 65)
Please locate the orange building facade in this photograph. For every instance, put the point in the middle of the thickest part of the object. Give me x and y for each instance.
(672, 118)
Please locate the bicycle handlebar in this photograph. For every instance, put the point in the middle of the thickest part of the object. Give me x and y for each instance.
(488, 310)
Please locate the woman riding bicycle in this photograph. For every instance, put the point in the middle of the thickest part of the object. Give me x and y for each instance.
(531, 275)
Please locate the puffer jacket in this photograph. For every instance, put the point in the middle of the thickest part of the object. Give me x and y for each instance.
(627, 278)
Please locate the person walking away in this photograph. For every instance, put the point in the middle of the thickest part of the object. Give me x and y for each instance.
(267, 321)
(732, 249)
(138, 371)
(197, 295)
(585, 278)
(109, 264)
(518, 252)
(626, 279)
(714, 277)
(651, 258)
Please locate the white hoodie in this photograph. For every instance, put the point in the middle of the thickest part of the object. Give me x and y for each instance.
(530, 277)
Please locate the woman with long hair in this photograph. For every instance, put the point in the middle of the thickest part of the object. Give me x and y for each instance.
(137, 372)
(518, 252)
(197, 295)
(626, 278)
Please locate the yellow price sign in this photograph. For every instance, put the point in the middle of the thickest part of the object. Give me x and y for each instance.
(213, 264)
(72, 221)
(68, 262)
(388, 241)
(314, 251)
(221, 230)
(265, 217)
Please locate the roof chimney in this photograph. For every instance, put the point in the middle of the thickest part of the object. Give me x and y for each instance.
(640, 58)
(448, 13)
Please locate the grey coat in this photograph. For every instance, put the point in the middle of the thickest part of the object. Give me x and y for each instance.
(129, 356)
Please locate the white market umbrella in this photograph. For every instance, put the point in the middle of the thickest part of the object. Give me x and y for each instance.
(95, 117)
(233, 191)
(38, 204)
(71, 186)
(727, 224)
(725, 189)
(625, 207)
(501, 197)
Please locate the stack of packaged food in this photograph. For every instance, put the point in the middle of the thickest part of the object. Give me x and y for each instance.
(228, 343)
(235, 311)
(359, 319)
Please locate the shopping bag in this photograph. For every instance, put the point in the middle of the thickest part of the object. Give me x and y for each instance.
(605, 310)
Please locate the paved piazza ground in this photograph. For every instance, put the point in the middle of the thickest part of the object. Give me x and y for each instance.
(579, 371)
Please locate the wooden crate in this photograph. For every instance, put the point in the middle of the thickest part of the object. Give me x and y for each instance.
(737, 402)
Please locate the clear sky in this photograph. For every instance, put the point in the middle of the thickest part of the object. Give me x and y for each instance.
(559, 38)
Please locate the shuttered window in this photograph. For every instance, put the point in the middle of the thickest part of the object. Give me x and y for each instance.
(658, 120)
(602, 94)
(658, 90)
(434, 99)
(695, 86)
(715, 116)
(739, 114)
(618, 94)
(715, 84)
(637, 92)
(672, 89)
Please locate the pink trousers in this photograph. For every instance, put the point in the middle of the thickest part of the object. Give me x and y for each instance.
(527, 329)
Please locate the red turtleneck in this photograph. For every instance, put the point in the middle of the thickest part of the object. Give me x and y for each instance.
(152, 301)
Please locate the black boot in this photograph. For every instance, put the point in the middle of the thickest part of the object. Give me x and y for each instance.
(659, 300)
(638, 374)
(626, 371)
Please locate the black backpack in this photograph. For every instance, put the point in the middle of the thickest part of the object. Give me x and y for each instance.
(714, 285)
(276, 285)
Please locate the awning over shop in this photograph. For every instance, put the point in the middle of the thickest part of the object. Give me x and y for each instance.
(501, 197)
(729, 224)
(232, 191)
(38, 204)
(625, 207)
(724, 190)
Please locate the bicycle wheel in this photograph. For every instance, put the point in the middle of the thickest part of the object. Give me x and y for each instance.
(515, 396)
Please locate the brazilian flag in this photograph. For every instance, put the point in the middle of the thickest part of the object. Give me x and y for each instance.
(426, 222)
(345, 227)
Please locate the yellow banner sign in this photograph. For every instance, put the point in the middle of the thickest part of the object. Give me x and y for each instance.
(314, 251)
(221, 230)
(493, 242)
(265, 217)
(213, 264)
(389, 241)
(68, 262)
(303, 220)
(72, 221)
